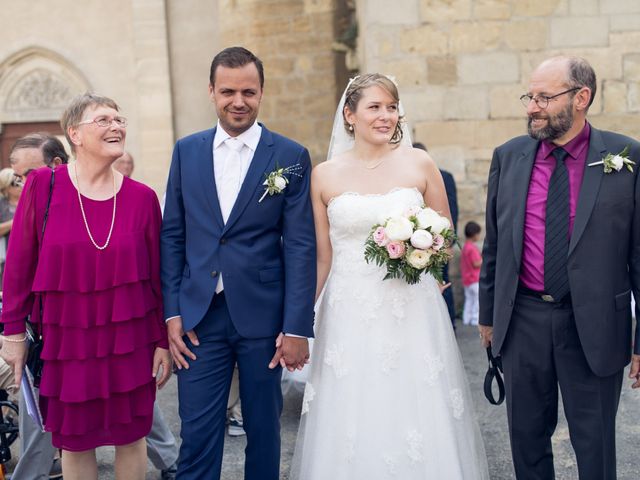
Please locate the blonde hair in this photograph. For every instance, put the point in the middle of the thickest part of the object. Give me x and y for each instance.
(72, 116)
(353, 95)
(7, 177)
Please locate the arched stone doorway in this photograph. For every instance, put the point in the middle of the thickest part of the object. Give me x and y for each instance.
(36, 85)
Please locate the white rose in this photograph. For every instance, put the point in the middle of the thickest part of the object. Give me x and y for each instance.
(280, 183)
(617, 162)
(398, 229)
(418, 258)
(442, 225)
(421, 239)
(427, 218)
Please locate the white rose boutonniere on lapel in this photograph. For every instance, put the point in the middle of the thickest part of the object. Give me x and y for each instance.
(277, 180)
(615, 162)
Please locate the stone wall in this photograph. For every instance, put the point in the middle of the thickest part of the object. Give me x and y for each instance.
(462, 64)
(293, 39)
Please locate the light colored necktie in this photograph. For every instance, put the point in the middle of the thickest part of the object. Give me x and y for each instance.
(231, 177)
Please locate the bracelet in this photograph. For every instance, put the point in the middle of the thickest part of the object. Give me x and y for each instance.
(7, 339)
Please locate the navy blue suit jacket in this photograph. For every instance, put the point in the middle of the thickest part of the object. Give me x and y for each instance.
(266, 251)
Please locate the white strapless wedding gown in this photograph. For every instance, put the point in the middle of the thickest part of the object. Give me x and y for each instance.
(387, 396)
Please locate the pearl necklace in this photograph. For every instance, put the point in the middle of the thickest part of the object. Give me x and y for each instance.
(84, 216)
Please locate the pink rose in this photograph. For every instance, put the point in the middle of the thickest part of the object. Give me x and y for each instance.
(396, 249)
(380, 237)
(438, 242)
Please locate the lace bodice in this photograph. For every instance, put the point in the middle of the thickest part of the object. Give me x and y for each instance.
(351, 216)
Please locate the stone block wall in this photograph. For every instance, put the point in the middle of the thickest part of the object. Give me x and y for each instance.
(293, 38)
(462, 65)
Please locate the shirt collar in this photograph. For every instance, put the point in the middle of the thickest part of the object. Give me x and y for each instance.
(250, 137)
(574, 147)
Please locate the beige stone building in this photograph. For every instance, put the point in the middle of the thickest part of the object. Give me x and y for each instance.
(461, 66)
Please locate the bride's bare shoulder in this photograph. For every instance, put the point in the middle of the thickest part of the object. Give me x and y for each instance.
(331, 167)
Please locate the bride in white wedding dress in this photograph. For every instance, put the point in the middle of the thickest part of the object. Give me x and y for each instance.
(387, 396)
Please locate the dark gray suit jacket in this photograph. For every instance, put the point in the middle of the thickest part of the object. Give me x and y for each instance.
(604, 250)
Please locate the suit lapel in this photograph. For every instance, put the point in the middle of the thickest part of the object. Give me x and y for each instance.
(207, 177)
(255, 176)
(523, 169)
(590, 187)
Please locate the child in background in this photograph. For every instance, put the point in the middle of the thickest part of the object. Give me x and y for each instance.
(470, 262)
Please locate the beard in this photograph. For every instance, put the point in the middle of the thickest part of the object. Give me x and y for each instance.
(557, 125)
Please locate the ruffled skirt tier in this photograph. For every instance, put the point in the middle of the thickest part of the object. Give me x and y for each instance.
(100, 327)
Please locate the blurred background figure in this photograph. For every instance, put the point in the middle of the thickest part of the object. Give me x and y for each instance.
(10, 190)
(37, 453)
(452, 197)
(124, 164)
(470, 263)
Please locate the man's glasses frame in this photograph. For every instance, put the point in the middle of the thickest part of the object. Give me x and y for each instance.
(542, 101)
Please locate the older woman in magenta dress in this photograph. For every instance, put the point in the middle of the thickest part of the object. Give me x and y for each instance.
(95, 272)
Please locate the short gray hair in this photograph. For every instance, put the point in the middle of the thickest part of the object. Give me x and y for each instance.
(73, 114)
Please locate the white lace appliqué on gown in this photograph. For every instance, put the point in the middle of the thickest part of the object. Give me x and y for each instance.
(387, 396)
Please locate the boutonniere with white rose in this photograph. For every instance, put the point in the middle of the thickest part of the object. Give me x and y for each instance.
(277, 180)
(615, 162)
(411, 244)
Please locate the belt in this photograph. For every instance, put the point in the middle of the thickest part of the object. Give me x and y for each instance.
(545, 297)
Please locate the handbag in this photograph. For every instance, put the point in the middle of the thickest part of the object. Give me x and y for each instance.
(34, 333)
(494, 373)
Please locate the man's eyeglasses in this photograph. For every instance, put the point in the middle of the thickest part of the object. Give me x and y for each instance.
(17, 182)
(106, 121)
(542, 101)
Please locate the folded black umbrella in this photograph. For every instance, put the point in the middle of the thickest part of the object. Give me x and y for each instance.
(494, 373)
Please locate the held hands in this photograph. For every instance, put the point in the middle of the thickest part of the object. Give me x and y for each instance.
(486, 335)
(634, 372)
(177, 347)
(291, 353)
(15, 354)
(161, 359)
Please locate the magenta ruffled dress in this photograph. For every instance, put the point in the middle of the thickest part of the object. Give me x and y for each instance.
(101, 310)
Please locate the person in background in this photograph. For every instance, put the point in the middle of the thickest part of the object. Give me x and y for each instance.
(452, 198)
(10, 190)
(125, 164)
(470, 263)
(37, 453)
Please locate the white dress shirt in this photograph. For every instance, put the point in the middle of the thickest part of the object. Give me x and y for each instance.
(228, 175)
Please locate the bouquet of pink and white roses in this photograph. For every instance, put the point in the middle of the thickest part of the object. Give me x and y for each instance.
(411, 244)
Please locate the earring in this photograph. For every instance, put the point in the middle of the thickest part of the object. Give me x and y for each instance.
(350, 128)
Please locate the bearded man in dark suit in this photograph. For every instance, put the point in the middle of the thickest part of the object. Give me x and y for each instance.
(561, 259)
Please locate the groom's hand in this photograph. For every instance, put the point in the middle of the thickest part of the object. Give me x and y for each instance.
(177, 347)
(291, 352)
(635, 370)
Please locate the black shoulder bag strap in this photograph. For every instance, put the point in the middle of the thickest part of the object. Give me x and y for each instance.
(34, 362)
(494, 373)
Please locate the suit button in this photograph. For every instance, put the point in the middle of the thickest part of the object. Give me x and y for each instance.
(223, 241)
(511, 302)
(214, 274)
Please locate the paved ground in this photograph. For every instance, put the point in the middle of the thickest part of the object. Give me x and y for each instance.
(492, 421)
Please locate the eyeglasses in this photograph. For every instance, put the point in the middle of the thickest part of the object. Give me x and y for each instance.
(17, 182)
(542, 101)
(106, 121)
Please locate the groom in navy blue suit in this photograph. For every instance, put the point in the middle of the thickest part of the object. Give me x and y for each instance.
(238, 272)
